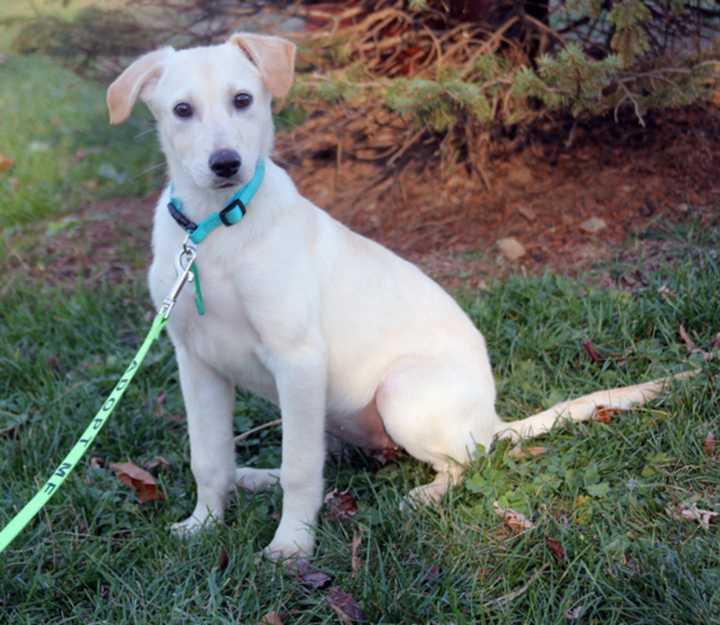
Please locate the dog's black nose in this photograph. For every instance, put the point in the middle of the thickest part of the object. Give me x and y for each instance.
(224, 163)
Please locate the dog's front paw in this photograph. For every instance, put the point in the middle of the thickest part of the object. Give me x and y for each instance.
(298, 545)
(193, 524)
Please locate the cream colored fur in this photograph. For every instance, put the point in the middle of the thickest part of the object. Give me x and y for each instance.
(301, 310)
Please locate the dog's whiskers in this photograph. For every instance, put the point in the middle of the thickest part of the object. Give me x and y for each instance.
(150, 169)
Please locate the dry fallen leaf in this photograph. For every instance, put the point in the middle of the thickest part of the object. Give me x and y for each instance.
(716, 342)
(515, 520)
(604, 414)
(704, 517)
(311, 577)
(355, 561)
(709, 444)
(511, 248)
(345, 606)
(157, 461)
(271, 618)
(556, 547)
(592, 352)
(518, 453)
(690, 512)
(160, 404)
(5, 163)
(691, 346)
(144, 484)
(341, 504)
(223, 560)
(689, 343)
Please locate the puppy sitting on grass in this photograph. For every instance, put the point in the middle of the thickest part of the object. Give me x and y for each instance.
(342, 334)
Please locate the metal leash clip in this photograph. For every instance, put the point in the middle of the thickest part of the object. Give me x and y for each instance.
(183, 268)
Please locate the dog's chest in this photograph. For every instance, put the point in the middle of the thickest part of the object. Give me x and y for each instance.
(224, 336)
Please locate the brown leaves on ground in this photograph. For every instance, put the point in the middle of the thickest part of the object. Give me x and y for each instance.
(222, 561)
(693, 348)
(355, 562)
(704, 517)
(513, 519)
(343, 603)
(143, 483)
(159, 402)
(522, 453)
(709, 445)
(271, 618)
(341, 504)
(5, 162)
(592, 352)
(345, 606)
(690, 512)
(157, 461)
(313, 578)
(556, 548)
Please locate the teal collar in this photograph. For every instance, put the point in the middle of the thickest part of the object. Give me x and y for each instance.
(233, 212)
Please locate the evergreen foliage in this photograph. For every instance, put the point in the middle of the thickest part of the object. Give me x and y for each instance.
(454, 68)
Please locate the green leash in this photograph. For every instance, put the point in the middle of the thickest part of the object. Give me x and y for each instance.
(186, 260)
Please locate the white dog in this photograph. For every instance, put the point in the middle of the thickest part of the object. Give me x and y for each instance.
(343, 335)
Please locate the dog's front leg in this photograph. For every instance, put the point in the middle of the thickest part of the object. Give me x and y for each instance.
(209, 399)
(301, 380)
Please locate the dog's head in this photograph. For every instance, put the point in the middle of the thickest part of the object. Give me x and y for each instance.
(212, 104)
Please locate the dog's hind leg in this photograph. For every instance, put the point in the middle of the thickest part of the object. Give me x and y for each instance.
(431, 408)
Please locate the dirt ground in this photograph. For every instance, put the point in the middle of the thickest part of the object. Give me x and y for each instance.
(627, 177)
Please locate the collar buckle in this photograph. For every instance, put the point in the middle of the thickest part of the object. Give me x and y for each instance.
(236, 203)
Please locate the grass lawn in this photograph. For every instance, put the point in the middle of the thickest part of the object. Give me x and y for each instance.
(66, 154)
(608, 546)
(609, 543)
(55, 128)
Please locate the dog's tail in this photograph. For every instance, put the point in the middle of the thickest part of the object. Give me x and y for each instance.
(583, 408)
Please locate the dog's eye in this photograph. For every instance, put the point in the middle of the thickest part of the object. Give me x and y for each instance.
(183, 109)
(242, 101)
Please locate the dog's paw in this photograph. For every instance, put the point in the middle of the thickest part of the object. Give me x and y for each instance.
(192, 525)
(427, 495)
(256, 480)
(299, 545)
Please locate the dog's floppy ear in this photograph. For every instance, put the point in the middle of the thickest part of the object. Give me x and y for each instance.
(273, 56)
(133, 82)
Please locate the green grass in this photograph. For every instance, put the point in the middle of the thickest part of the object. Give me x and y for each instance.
(603, 491)
(66, 154)
(55, 128)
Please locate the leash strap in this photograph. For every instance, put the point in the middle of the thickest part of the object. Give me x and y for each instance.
(18, 523)
(23, 518)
